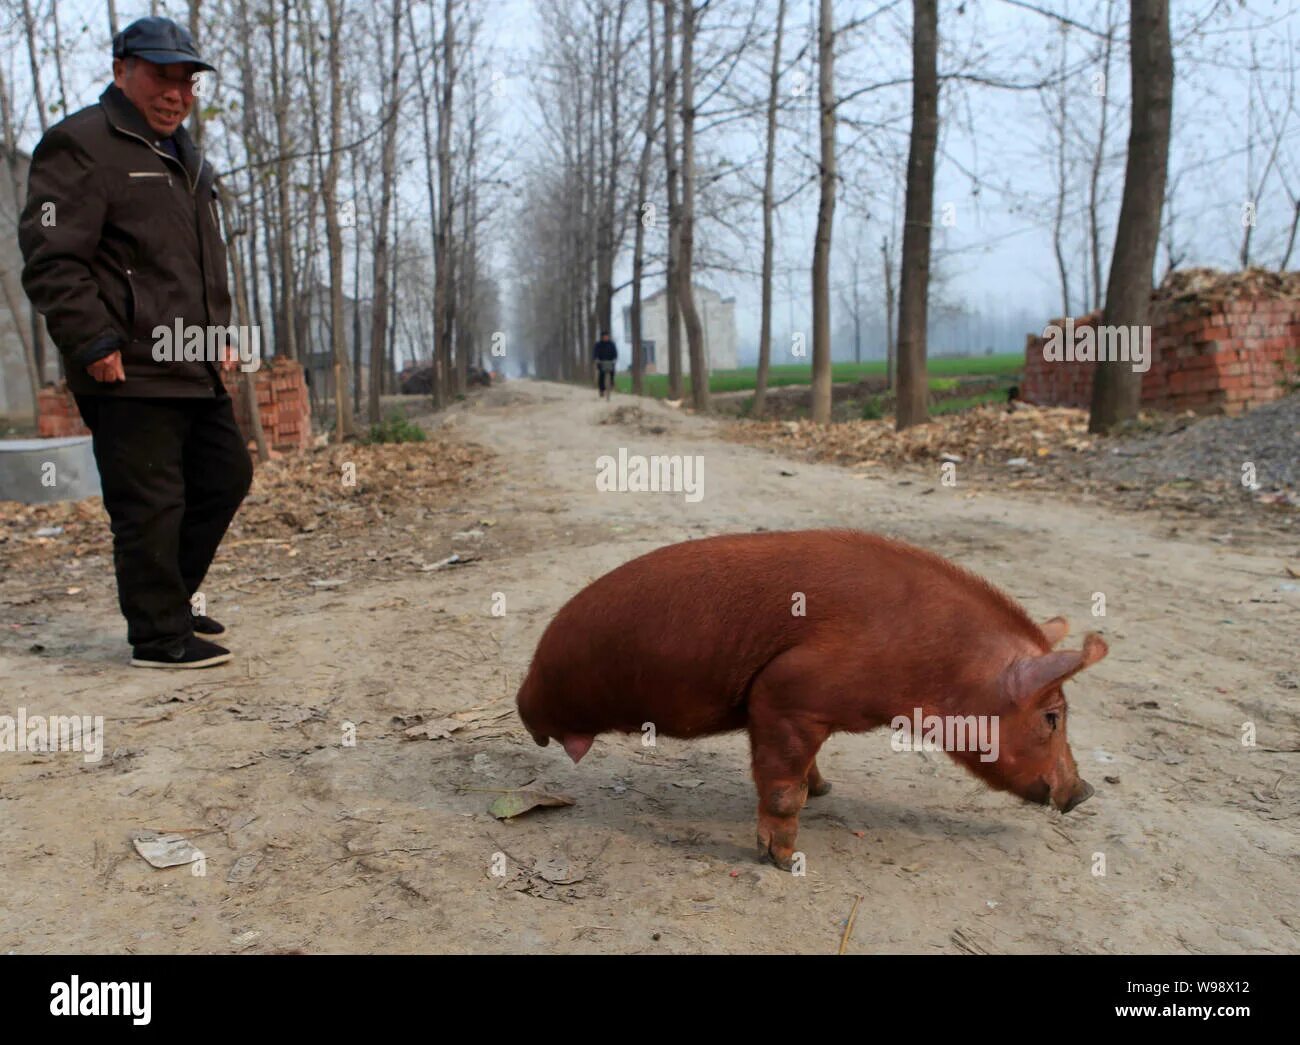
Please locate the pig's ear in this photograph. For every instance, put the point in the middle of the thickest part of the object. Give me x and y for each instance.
(1029, 678)
(1055, 629)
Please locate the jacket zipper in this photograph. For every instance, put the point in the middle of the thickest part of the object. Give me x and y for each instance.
(130, 289)
(165, 156)
(149, 174)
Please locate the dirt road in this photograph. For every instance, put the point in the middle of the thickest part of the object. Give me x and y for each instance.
(312, 843)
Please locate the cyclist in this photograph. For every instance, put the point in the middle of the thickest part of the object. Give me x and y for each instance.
(605, 355)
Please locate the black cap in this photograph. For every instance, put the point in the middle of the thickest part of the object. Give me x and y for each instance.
(158, 40)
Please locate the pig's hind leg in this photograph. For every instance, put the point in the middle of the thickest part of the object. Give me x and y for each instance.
(818, 785)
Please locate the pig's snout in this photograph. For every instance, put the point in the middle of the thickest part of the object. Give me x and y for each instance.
(1082, 792)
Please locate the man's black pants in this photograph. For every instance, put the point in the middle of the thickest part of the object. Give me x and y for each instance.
(174, 472)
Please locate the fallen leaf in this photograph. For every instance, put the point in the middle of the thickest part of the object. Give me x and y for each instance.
(516, 803)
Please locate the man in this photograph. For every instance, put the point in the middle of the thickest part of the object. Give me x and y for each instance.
(120, 236)
(605, 354)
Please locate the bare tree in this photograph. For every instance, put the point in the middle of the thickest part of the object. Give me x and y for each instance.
(821, 298)
(887, 256)
(343, 423)
(1117, 387)
(913, 383)
(380, 302)
(1098, 158)
(671, 300)
(249, 381)
(642, 178)
(444, 287)
(769, 161)
(281, 88)
(686, 235)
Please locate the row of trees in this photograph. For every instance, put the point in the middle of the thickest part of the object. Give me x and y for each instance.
(626, 90)
(366, 177)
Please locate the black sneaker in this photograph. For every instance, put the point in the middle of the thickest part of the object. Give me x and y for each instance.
(207, 628)
(196, 653)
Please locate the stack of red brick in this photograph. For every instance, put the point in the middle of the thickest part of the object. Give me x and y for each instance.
(282, 403)
(281, 398)
(1219, 343)
(56, 413)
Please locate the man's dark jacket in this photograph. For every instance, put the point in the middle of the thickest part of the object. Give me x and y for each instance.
(133, 241)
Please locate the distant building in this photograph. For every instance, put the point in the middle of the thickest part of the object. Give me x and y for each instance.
(717, 316)
(315, 351)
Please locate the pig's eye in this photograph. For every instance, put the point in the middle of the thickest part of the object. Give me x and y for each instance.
(1052, 717)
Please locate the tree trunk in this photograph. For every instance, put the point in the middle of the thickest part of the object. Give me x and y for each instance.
(769, 161)
(286, 341)
(1117, 387)
(430, 182)
(914, 288)
(443, 287)
(1062, 178)
(642, 176)
(379, 315)
(686, 293)
(821, 266)
(886, 252)
(248, 378)
(37, 327)
(674, 217)
(343, 422)
(1098, 159)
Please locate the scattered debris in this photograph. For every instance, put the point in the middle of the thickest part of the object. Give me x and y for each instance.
(164, 850)
(242, 869)
(455, 559)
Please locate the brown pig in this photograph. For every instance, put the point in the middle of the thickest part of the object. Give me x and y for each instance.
(795, 636)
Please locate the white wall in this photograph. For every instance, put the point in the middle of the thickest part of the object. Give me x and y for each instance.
(717, 316)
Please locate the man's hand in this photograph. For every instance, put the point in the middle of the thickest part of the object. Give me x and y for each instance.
(230, 359)
(109, 369)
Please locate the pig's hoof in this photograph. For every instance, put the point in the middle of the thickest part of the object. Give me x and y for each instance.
(765, 852)
(816, 791)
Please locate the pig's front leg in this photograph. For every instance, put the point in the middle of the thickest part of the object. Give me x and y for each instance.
(783, 758)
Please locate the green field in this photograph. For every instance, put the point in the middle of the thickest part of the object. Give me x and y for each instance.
(1008, 364)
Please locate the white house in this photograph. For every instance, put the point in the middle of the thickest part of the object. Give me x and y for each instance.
(717, 316)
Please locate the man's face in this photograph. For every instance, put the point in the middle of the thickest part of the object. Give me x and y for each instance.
(164, 94)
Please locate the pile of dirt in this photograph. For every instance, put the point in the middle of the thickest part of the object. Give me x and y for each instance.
(634, 416)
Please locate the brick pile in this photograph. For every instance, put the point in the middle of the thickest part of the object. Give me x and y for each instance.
(281, 398)
(282, 402)
(1220, 343)
(56, 413)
